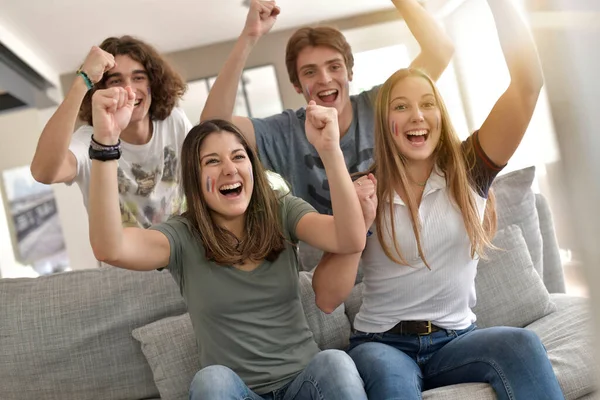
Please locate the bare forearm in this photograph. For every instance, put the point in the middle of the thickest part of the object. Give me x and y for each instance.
(53, 144)
(221, 99)
(106, 232)
(334, 279)
(517, 45)
(436, 46)
(347, 214)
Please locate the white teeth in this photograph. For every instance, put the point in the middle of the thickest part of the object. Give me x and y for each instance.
(327, 92)
(417, 133)
(230, 187)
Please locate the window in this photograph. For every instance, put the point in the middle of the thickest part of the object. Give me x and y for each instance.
(258, 94)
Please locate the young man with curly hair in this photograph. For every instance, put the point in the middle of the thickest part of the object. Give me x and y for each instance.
(150, 147)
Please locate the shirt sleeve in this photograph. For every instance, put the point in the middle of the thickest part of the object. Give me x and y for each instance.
(175, 229)
(273, 138)
(183, 122)
(482, 171)
(293, 209)
(371, 94)
(79, 146)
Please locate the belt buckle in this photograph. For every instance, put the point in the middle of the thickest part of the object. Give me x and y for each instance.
(428, 329)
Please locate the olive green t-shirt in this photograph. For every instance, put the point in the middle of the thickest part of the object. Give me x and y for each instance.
(251, 322)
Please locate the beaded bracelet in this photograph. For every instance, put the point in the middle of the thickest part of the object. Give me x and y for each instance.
(86, 79)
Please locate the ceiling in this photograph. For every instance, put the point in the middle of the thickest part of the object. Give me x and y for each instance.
(53, 36)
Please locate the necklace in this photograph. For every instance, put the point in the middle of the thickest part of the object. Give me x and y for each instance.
(418, 183)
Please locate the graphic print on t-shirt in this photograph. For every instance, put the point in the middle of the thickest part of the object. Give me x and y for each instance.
(146, 180)
(170, 165)
(149, 193)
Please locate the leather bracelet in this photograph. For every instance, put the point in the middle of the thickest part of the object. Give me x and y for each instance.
(105, 154)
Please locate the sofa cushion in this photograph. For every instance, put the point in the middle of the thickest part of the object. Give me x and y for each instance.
(570, 340)
(554, 278)
(591, 396)
(171, 349)
(68, 335)
(509, 290)
(515, 205)
(464, 391)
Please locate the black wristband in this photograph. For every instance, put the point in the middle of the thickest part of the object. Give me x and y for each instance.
(105, 154)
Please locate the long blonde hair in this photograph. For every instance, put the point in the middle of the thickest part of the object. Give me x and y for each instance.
(450, 158)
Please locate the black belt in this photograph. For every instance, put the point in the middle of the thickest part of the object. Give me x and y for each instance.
(414, 328)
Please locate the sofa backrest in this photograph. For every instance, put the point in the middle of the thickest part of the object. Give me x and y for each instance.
(69, 335)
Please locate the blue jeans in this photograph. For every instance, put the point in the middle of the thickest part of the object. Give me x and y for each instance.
(330, 375)
(512, 360)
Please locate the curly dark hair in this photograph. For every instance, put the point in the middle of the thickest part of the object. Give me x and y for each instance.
(166, 85)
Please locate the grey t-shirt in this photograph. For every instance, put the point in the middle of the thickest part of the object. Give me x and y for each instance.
(283, 148)
(251, 322)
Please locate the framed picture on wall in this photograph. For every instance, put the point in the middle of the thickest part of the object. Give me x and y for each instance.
(258, 94)
(37, 233)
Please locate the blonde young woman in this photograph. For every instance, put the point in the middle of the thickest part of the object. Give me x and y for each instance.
(415, 329)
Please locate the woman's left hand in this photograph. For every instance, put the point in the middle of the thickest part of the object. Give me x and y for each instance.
(366, 190)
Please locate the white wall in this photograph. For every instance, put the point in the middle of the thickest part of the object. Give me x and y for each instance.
(19, 132)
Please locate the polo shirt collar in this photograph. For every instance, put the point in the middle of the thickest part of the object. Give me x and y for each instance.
(435, 182)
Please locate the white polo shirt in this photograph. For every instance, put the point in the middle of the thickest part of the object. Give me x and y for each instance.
(443, 295)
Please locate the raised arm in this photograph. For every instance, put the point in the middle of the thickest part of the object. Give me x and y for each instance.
(436, 47)
(335, 275)
(504, 128)
(221, 99)
(52, 161)
(344, 232)
(130, 248)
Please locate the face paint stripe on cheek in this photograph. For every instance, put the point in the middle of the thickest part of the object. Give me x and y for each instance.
(307, 91)
(251, 174)
(208, 185)
(394, 128)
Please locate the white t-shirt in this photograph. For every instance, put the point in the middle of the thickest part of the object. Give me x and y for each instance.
(148, 174)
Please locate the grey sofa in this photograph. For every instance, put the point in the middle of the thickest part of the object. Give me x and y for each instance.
(110, 334)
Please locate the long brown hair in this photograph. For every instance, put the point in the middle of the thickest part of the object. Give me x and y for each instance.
(319, 36)
(166, 85)
(451, 160)
(263, 237)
